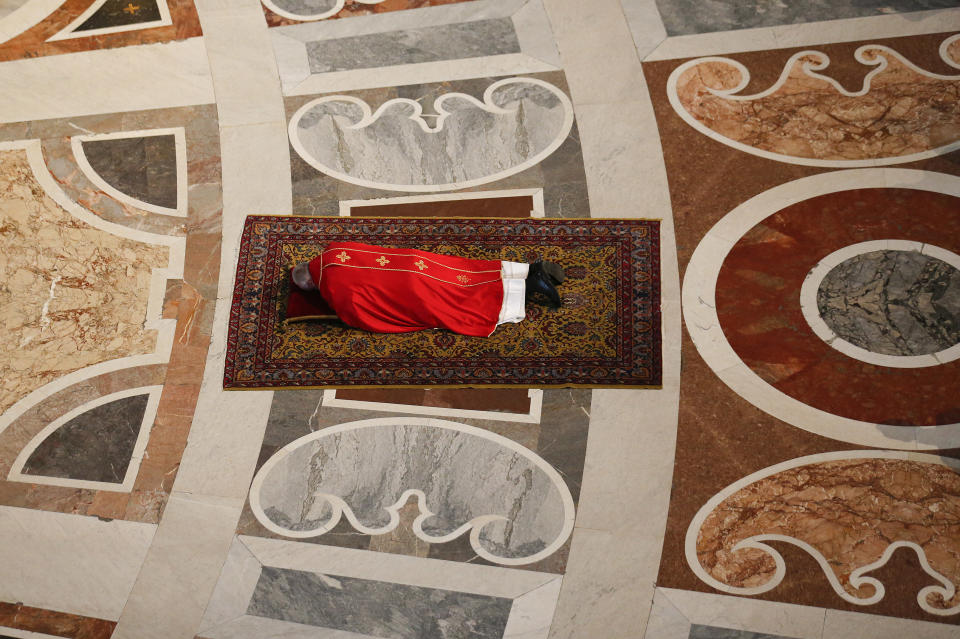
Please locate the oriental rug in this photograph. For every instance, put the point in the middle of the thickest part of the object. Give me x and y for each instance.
(607, 334)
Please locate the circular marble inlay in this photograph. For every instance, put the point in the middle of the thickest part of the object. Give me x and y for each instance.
(887, 302)
(893, 302)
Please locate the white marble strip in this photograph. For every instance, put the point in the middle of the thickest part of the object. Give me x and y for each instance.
(537, 194)
(197, 528)
(252, 627)
(492, 581)
(26, 16)
(150, 76)
(808, 34)
(68, 32)
(180, 569)
(674, 611)
(69, 563)
(703, 324)
(533, 417)
(241, 61)
(180, 143)
(295, 82)
(16, 470)
(645, 24)
(617, 541)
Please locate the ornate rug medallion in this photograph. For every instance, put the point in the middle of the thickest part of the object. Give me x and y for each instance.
(606, 334)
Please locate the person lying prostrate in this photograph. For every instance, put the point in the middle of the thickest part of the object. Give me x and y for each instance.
(391, 290)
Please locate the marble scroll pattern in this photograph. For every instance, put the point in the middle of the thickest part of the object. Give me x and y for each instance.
(515, 506)
(893, 302)
(902, 113)
(520, 122)
(309, 10)
(849, 510)
(72, 295)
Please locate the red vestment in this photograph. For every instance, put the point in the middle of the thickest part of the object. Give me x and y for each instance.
(390, 290)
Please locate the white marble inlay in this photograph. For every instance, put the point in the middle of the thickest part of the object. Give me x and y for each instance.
(16, 16)
(520, 122)
(944, 587)
(811, 312)
(69, 31)
(368, 469)
(16, 470)
(70, 563)
(703, 324)
(180, 142)
(808, 63)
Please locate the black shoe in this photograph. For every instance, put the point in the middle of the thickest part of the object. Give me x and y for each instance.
(539, 281)
(555, 271)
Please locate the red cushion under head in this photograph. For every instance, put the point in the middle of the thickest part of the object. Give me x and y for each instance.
(307, 305)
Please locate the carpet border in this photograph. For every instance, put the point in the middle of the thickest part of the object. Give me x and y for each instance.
(507, 220)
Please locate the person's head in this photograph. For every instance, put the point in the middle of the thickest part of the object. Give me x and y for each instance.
(300, 274)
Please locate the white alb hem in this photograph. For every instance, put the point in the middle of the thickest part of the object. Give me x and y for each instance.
(513, 309)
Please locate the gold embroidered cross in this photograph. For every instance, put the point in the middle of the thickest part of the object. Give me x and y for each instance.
(420, 265)
(463, 279)
(131, 8)
(382, 261)
(343, 257)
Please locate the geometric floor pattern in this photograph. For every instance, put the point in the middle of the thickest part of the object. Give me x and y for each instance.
(796, 476)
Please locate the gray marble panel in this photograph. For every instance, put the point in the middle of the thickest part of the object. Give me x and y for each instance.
(520, 122)
(145, 168)
(121, 13)
(698, 631)
(376, 608)
(467, 478)
(682, 17)
(893, 302)
(93, 446)
(429, 44)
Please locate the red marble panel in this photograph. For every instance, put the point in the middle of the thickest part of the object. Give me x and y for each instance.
(758, 302)
(61, 624)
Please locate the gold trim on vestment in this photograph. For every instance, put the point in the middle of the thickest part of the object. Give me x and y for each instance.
(344, 257)
(384, 252)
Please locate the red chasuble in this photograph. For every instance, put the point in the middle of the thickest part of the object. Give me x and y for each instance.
(390, 290)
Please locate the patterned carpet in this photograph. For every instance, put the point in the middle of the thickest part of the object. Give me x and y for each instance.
(607, 334)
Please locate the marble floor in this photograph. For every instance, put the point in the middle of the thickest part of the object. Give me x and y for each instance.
(797, 475)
